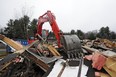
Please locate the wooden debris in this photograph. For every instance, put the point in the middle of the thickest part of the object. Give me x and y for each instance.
(11, 43)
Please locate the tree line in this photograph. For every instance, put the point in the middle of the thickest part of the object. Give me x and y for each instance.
(23, 27)
(20, 28)
(104, 33)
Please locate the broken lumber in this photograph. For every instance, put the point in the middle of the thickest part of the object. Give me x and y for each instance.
(10, 42)
(90, 50)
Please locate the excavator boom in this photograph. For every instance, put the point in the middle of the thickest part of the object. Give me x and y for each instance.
(49, 17)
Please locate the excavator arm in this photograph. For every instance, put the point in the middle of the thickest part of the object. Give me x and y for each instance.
(70, 43)
(49, 17)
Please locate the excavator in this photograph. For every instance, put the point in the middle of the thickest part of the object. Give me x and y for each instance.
(70, 43)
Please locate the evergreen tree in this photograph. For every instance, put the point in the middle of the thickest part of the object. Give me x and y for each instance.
(72, 31)
(80, 34)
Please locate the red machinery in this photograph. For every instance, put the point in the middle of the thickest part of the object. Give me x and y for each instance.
(70, 43)
(49, 17)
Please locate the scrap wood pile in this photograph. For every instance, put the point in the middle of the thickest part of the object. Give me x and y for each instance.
(103, 55)
(44, 60)
(29, 61)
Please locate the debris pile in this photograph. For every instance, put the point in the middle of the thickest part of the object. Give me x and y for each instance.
(41, 59)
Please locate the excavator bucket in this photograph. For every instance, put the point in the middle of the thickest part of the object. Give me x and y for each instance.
(72, 46)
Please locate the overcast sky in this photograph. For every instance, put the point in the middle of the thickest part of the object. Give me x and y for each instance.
(86, 15)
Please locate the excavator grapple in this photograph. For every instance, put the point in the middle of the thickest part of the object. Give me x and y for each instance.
(72, 47)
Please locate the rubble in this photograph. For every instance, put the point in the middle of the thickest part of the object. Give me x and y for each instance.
(44, 60)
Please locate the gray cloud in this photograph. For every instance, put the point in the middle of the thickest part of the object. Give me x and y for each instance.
(86, 15)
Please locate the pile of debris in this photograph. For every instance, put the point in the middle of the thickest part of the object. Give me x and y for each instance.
(41, 59)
